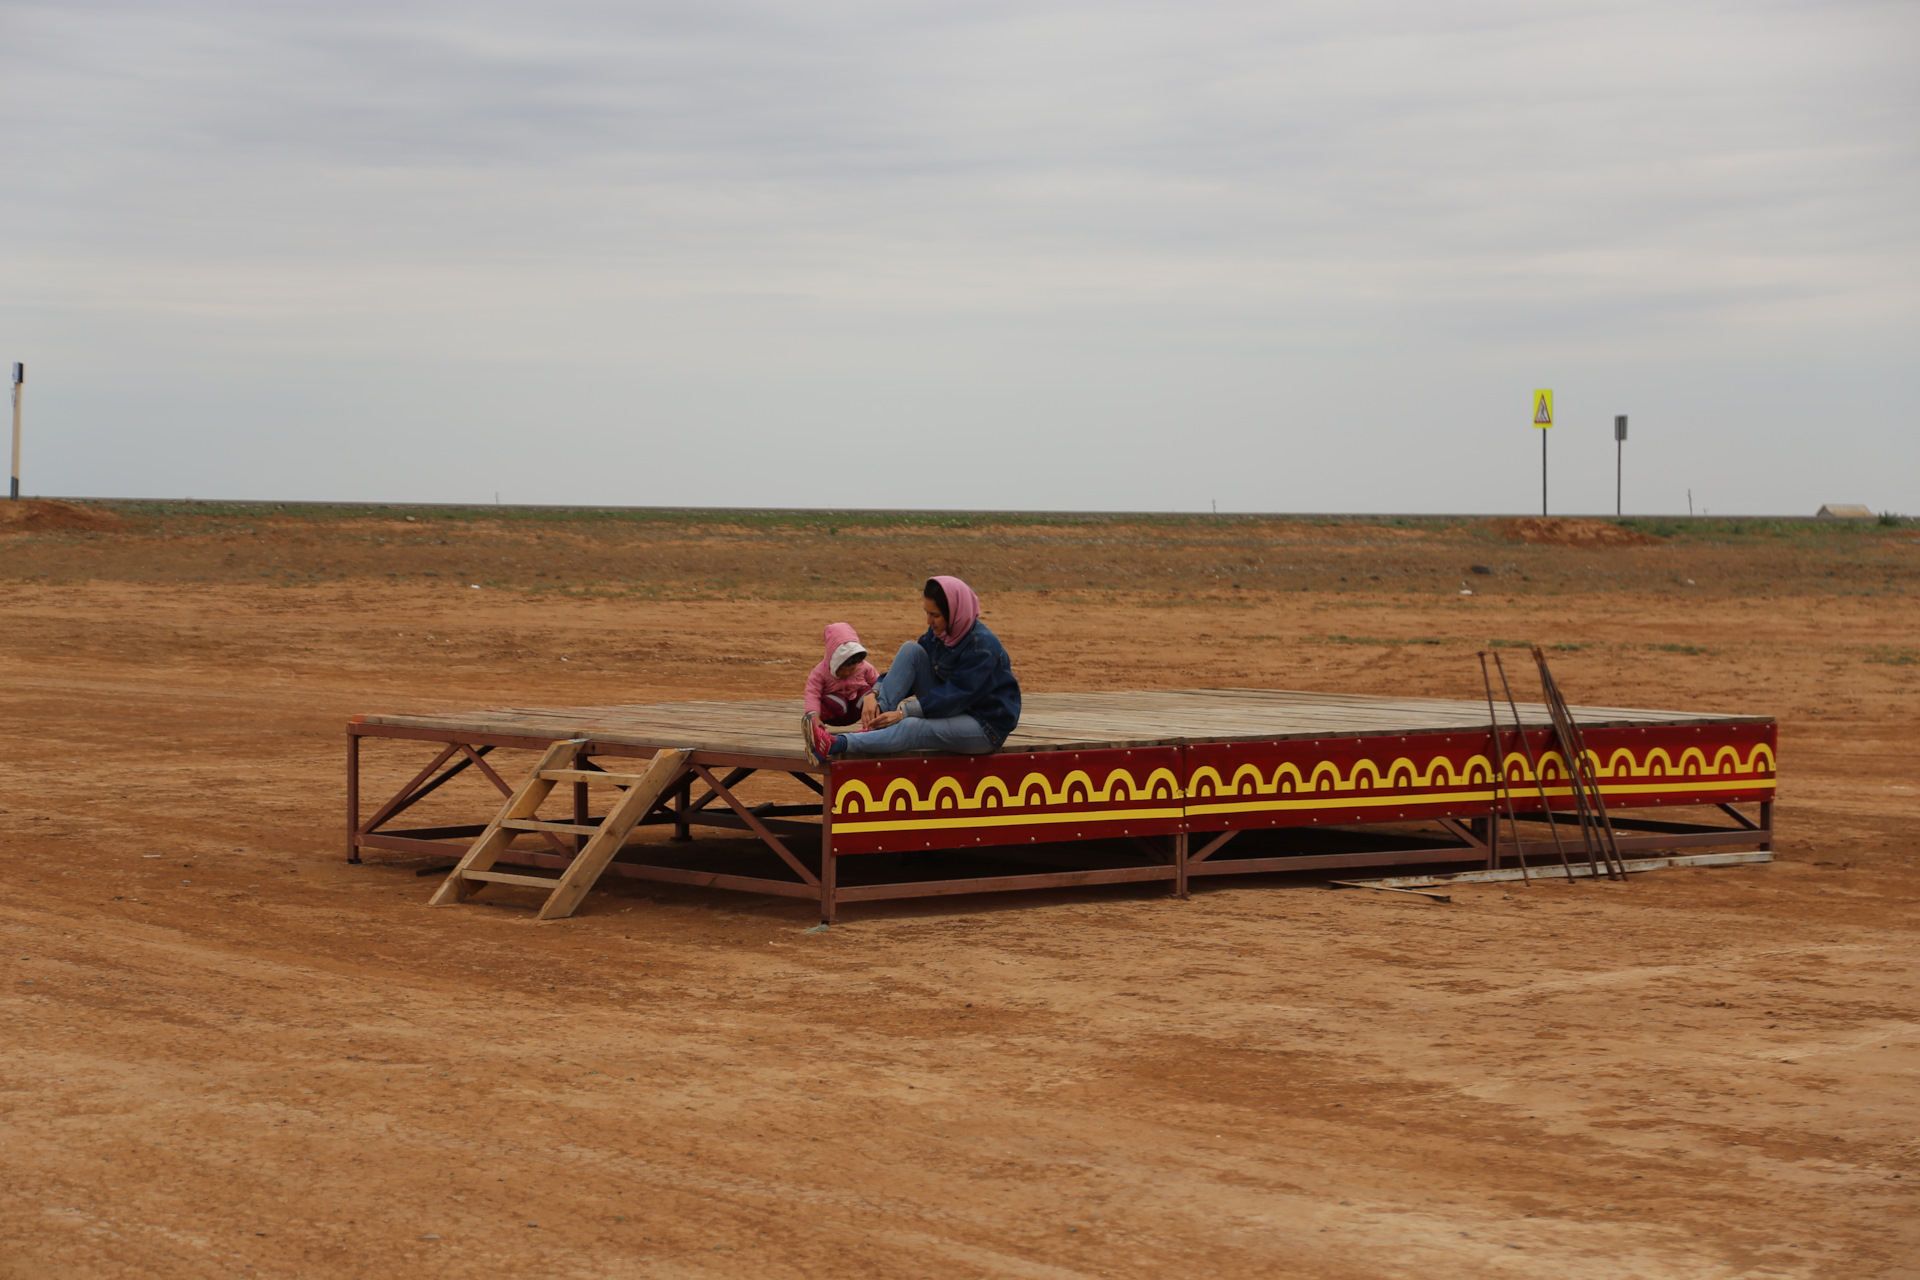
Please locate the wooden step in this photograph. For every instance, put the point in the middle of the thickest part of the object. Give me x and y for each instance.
(534, 824)
(507, 877)
(603, 840)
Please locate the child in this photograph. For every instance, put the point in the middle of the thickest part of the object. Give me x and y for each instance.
(844, 676)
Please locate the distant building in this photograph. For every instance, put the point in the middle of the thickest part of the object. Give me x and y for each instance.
(1843, 511)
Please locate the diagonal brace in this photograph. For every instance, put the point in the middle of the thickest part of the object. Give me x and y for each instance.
(1212, 846)
(758, 827)
(559, 845)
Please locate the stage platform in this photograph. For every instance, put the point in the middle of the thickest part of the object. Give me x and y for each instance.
(1112, 787)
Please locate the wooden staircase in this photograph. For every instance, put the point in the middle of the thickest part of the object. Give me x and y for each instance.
(640, 792)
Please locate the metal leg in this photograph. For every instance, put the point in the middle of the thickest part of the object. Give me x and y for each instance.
(581, 812)
(1489, 835)
(1180, 844)
(1766, 824)
(353, 797)
(829, 873)
(682, 799)
(828, 870)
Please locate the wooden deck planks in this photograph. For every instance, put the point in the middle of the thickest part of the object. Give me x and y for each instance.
(1049, 721)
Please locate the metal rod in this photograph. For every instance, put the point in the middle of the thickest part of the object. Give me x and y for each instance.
(1636, 865)
(1588, 772)
(1388, 888)
(1588, 840)
(1500, 779)
(1533, 766)
(1591, 770)
(1586, 799)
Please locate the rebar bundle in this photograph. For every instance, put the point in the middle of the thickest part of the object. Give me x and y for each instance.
(1596, 832)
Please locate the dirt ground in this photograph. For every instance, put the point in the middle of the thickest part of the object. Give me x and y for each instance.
(226, 1052)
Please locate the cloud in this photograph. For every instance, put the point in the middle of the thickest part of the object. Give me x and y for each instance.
(1161, 253)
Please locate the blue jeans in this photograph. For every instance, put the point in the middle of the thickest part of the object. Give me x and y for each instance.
(911, 676)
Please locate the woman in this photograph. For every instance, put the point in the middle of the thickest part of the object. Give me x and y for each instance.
(951, 692)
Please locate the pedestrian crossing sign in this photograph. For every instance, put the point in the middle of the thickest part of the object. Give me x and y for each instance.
(1543, 409)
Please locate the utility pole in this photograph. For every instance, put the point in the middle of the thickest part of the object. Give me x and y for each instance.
(19, 380)
(1619, 456)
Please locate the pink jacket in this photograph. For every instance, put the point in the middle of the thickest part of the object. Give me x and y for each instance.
(821, 679)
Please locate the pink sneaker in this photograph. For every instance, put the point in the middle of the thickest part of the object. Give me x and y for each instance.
(819, 741)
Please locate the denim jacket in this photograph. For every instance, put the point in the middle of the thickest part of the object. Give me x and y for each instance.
(973, 678)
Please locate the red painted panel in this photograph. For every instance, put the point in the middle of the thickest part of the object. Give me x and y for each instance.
(1705, 764)
(951, 802)
(1308, 782)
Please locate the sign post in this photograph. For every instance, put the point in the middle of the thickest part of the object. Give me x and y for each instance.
(1619, 454)
(19, 379)
(1543, 419)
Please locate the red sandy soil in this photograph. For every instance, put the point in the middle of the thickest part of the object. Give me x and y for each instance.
(1548, 532)
(228, 1053)
(45, 515)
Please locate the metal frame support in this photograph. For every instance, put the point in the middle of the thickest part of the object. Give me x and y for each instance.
(829, 865)
(1184, 857)
(353, 797)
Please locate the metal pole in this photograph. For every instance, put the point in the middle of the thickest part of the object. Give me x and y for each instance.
(1542, 414)
(1533, 767)
(829, 866)
(1619, 456)
(1500, 783)
(19, 383)
(353, 796)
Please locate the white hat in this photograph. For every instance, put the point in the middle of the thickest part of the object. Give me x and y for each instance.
(846, 653)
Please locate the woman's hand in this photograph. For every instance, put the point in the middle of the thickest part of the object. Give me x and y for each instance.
(869, 709)
(886, 718)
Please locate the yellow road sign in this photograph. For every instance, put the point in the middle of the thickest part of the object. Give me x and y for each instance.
(1543, 409)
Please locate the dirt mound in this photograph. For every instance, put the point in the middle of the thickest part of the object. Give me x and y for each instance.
(43, 515)
(1556, 532)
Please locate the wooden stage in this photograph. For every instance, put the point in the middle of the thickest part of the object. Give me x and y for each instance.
(1107, 788)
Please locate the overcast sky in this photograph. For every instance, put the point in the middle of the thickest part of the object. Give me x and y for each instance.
(1285, 257)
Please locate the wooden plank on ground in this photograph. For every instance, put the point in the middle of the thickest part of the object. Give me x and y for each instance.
(508, 877)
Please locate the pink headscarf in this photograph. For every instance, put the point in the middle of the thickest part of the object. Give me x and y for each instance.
(963, 607)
